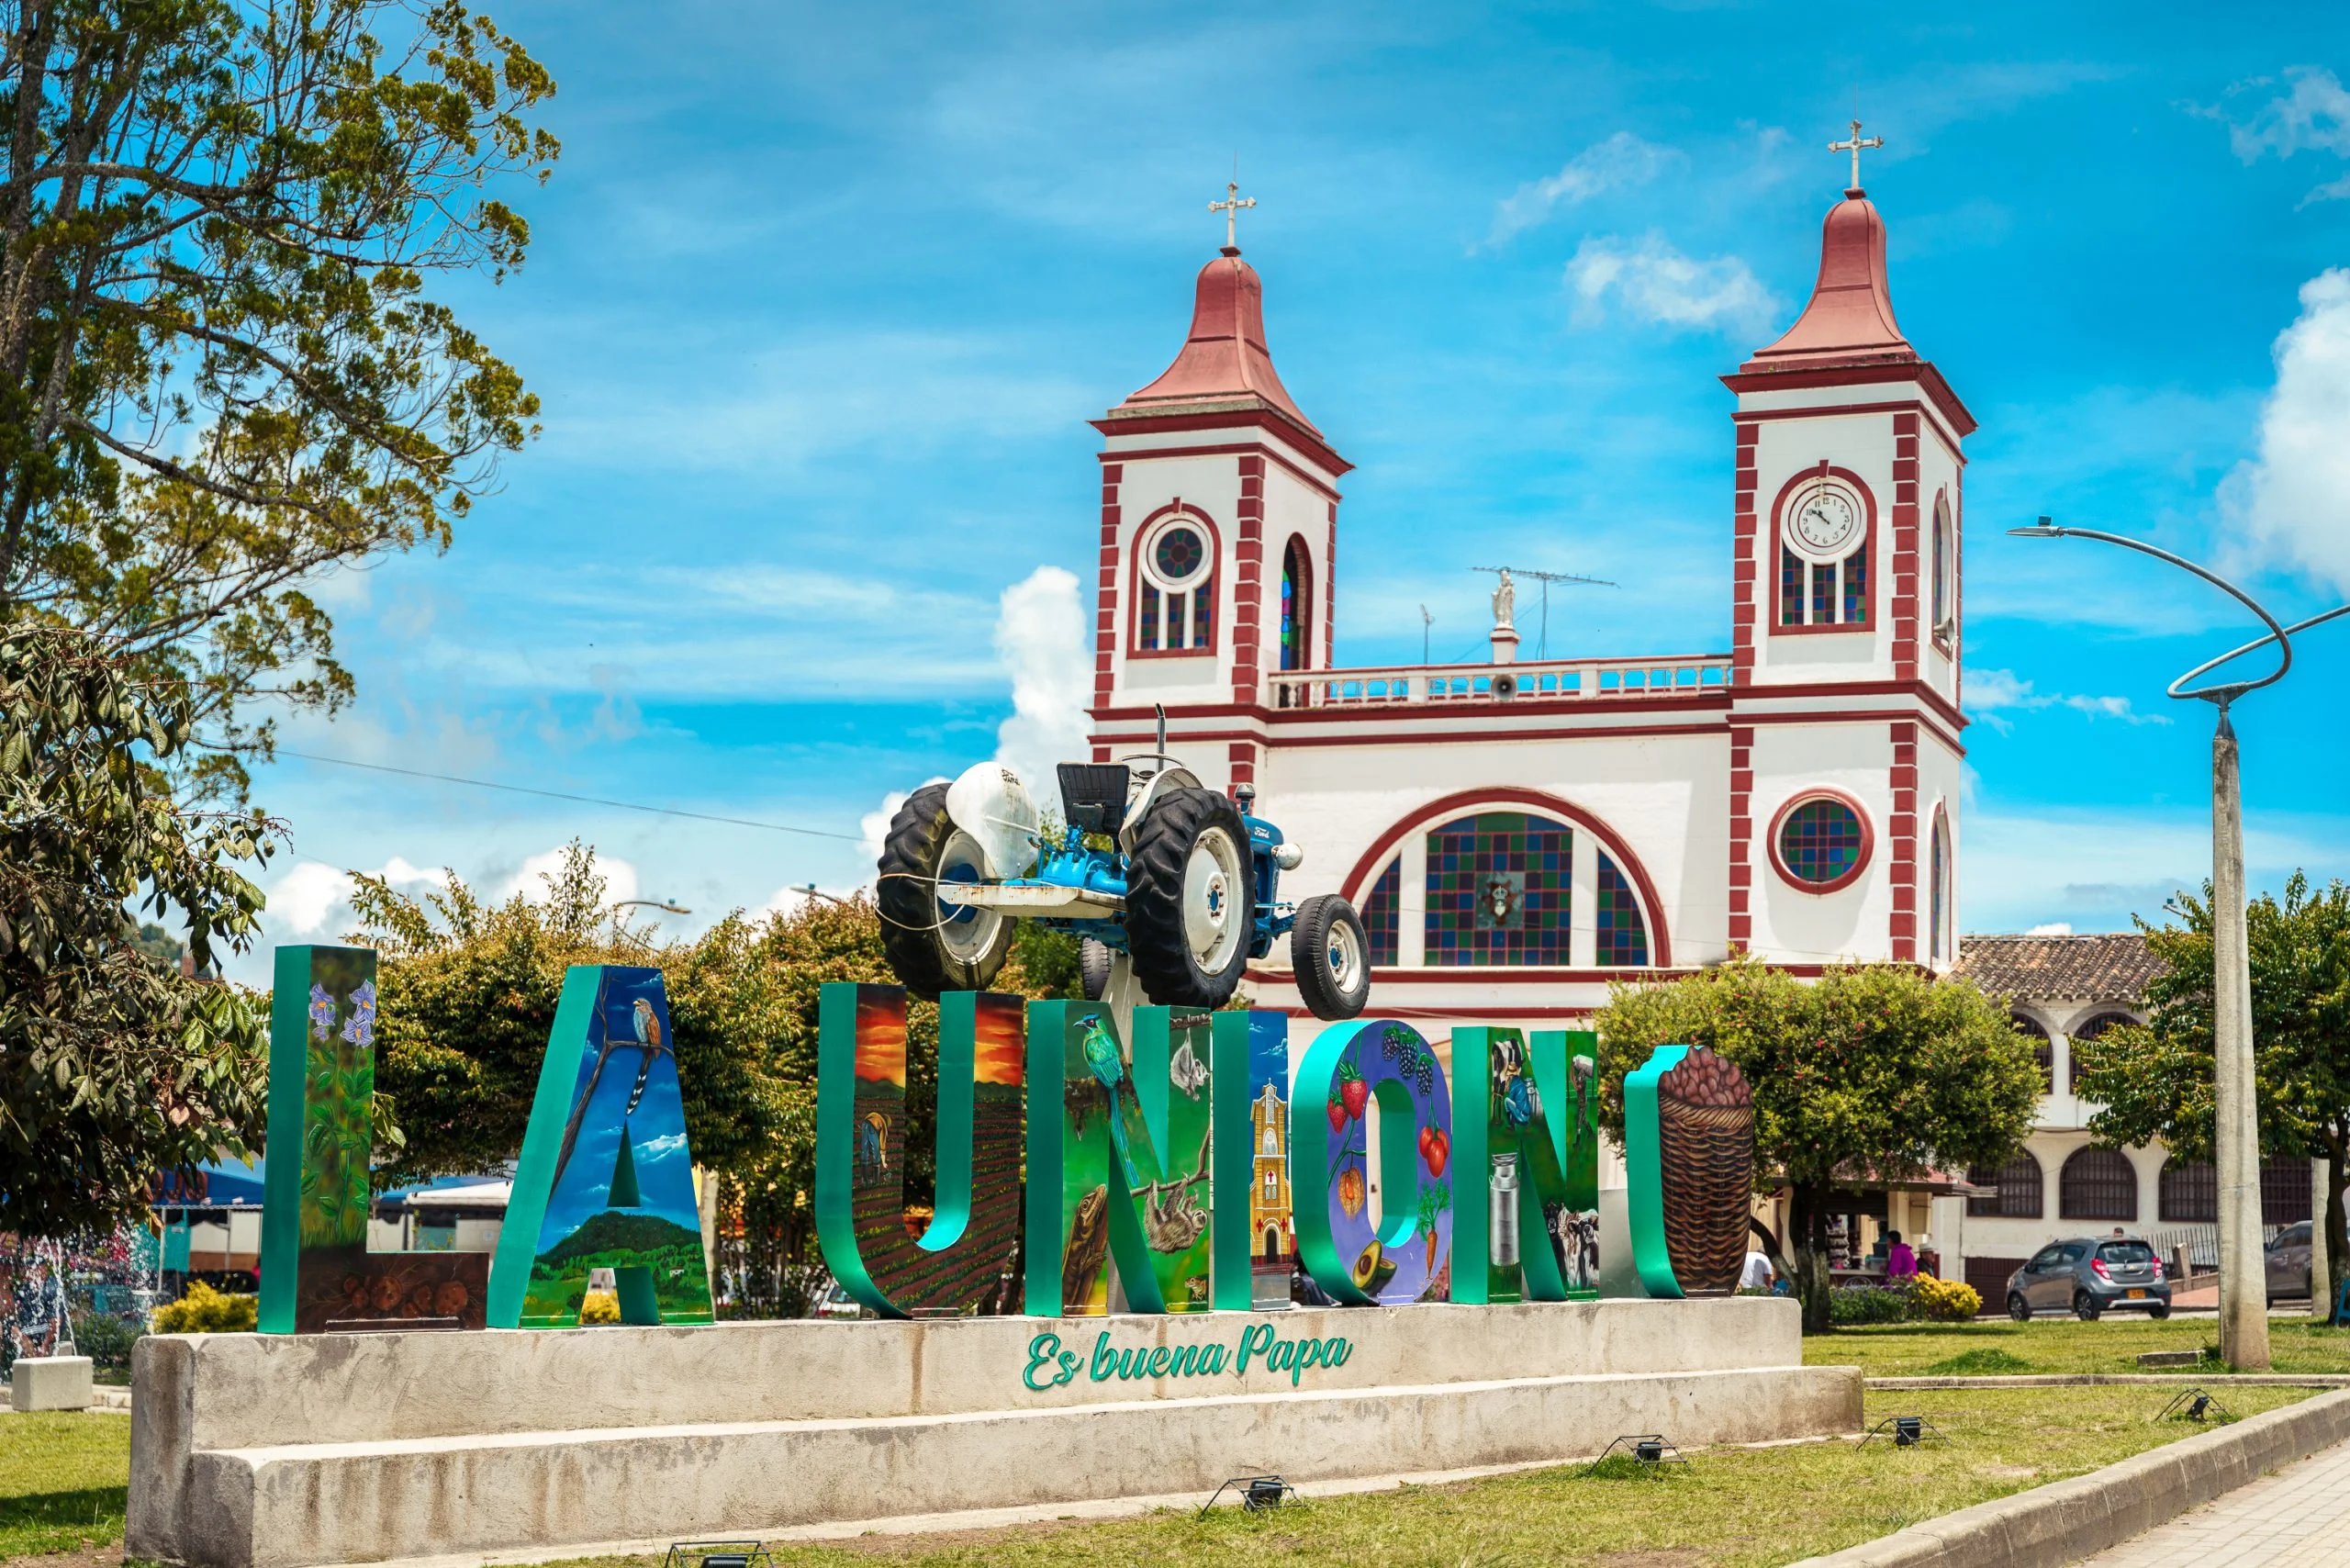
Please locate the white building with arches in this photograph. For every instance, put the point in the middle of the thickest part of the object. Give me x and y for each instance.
(1516, 836)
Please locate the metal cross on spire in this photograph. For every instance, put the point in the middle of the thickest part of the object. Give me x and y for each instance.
(1230, 206)
(1853, 147)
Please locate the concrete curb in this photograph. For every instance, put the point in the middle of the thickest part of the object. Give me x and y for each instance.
(2213, 1380)
(2068, 1520)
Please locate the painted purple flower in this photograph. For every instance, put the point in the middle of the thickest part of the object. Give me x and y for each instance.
(321, 1013)
(360, 1030)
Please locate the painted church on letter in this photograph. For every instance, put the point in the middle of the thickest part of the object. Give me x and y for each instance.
(1517, 834)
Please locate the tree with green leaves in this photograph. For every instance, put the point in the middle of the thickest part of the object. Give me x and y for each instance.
(222, 374)
(1874, 1070)
(113, 1067)
(2155, 1080)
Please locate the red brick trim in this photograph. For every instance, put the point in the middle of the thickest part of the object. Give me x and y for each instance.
(1243, 758)
(1929, 381)
(1105, 605)
(1741, 835)
(1745, 561)
(1249, 581)
(1907, 633)
(1904, 833)
(1948, 442)
(1247, 419)
(1374, 860)
(1330, 592)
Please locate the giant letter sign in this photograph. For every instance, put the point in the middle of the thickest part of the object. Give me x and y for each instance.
(1689, 1157)
(606, 1180)
(1408, 1258)
(1118, 1166)
(1528, 1167)
(315, 1271)
(962, 1263)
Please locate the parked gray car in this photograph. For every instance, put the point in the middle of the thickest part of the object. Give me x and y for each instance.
(2089, 1275)
(2289, 1263)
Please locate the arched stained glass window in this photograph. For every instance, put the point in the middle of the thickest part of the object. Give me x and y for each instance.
(1175, 611)
(1623, 937)
(2098, 1184)
(1946, 610)
(1382, 914)
(1937, 892)
(1497, 889)
(1297, 608)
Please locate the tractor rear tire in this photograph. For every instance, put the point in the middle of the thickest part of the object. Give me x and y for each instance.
(1331, 956)
(1191, 900)
(1094, 961)
(933, 946)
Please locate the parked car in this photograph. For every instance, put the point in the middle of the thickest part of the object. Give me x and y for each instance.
(2289, 1263)
(2091, 1275)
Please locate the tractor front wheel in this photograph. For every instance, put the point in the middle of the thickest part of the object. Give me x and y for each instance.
(934, 946)
(1332, 957)
(1191, 901)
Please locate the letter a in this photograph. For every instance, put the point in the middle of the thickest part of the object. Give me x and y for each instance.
(606, 1180)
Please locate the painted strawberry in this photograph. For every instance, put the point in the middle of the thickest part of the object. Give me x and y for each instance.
(1353, 1090)
(1436, 1147)
(1338, 1110)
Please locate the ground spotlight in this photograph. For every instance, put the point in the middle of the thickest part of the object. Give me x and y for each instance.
(1906, 1432)
(2195, 1405)
(718, 1554)
(1258, 1492)
(1646, 1449)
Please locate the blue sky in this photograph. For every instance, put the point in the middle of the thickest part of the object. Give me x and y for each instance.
(819, 305)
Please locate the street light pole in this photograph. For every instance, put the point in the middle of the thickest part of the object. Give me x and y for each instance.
(2244, 1278)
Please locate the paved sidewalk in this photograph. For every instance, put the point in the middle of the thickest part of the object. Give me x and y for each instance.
(2299, 1518)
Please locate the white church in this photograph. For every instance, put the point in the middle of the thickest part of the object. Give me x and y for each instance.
(1517, 834)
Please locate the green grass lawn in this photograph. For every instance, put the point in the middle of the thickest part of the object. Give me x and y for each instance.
(1731, 1508)
(63, 1476)
(1989, 1346)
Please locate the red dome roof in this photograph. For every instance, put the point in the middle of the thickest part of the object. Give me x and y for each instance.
(1850, 319)
(1225, 361)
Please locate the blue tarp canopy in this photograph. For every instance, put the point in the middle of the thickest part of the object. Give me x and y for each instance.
(215, 1184)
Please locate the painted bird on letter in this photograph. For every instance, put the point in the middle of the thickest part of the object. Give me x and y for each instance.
(1109, 1071)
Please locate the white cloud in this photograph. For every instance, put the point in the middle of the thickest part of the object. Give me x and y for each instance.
(2292, 502)
(1040, 637)
(313, 899)
(1988, 690)
(2315, 114)
(1653, 281)
(874, 825)
(2053, 928)
(1622, 159)
(538, 873)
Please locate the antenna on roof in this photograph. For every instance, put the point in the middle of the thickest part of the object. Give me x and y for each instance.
(1426, 620)
(1541, 648)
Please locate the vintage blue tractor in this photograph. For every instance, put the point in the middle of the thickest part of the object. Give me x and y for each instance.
(1171, 887)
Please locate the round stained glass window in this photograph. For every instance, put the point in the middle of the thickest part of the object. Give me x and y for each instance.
(1821, 841)
(1180, 554)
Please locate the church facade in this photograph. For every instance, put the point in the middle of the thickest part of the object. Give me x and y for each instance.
(1517, 834)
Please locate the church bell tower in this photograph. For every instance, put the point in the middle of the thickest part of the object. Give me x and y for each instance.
(1845, 724)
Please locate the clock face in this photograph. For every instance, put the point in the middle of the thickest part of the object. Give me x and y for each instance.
(1825, 521)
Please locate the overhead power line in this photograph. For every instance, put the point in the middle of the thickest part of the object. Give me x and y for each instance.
(581, 800)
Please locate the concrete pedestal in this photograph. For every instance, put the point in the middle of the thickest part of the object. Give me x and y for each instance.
(277, 1452)
(51, 1382)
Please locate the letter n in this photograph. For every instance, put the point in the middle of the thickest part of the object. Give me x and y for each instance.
(1540, 1122)
(963, 1259)
(606, 1178)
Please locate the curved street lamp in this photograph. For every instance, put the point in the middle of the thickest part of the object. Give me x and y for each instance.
(2244, 1284)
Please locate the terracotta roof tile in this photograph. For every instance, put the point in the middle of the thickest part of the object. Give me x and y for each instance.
(2061, 968)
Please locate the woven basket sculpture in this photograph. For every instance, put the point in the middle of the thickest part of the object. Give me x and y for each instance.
(1704, 1116)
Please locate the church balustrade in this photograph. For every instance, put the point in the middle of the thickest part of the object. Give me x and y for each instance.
(1552, 680)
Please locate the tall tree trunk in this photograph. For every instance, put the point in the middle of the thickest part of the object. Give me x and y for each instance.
(1807, 1223)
